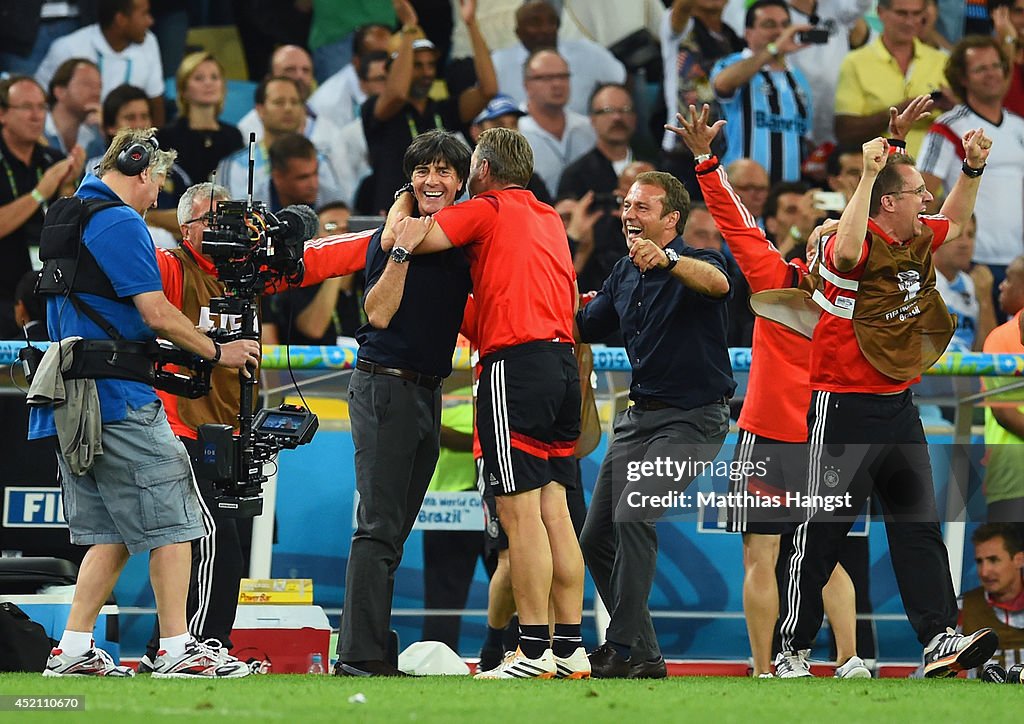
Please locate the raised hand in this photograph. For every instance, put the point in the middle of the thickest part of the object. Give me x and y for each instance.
(695, 131)
(467, 10)
(875, 153)
(916, 109)
(405, 13)
(976, 147)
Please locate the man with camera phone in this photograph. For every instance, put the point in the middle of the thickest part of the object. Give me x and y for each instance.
(126, 480)
(766, 101)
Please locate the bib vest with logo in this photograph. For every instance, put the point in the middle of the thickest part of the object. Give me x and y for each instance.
(978, 614)
(900, 322)
(221, 404)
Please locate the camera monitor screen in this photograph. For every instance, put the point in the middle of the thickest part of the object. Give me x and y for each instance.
(279, 421)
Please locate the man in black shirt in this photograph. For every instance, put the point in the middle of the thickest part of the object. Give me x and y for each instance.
(669, 300)
(33, 175)
(414, 305)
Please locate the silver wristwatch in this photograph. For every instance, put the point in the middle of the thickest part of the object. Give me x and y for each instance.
(673, 258)
(400, 255)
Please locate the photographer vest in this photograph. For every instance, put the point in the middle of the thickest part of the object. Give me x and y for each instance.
(221, 404)
(899, 320)
(978, 614)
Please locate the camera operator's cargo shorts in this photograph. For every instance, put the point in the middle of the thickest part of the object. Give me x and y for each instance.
(139, 492)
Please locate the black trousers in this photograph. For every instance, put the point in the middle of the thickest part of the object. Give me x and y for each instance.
(396, 426)
(218, 564)
(869, 445)
(620, 549)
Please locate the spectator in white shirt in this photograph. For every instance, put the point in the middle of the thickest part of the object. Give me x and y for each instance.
(557, 135)
(123, 48)
(537, 28)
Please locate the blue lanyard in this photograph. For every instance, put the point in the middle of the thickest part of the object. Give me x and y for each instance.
(127, 68)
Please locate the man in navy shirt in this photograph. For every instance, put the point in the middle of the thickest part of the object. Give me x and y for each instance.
(669, 301)
(414, 306)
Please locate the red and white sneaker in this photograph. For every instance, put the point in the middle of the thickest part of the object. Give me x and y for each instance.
(200, 660)
(94, 662)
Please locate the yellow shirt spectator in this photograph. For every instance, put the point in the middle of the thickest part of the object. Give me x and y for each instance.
(870, 81)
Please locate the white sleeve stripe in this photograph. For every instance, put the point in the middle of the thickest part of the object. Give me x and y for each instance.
(836, 280)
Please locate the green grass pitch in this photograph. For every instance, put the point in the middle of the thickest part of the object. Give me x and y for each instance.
(299, 699)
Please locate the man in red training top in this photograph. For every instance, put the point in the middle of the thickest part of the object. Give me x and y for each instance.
(528, 410)
(773, 423)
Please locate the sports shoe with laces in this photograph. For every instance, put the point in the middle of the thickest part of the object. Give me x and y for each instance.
(94, 662)
(518, 666)
(854, 668)
(792, 664)
(950, 653)
(145, 664)
(200, 660)
(576, 666)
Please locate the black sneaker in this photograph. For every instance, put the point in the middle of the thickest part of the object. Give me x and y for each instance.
(950, 653)
(605, 663)
(367, 668)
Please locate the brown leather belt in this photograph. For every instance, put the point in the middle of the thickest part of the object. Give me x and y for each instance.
(429, 381)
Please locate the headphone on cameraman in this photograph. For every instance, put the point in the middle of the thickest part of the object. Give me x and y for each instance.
(134, 158)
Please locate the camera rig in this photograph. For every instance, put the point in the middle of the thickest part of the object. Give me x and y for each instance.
(253, 250)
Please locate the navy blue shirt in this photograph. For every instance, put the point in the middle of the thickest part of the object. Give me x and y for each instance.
(421, 336)
(675, 337)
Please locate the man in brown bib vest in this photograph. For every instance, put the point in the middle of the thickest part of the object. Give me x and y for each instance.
(882, 323)
(999, 601)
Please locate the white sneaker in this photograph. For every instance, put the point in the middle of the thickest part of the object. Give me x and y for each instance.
(854, 668)
(94, 662)
(200, 660)
(576, 666)
(517, 666)
(950, 653)
(792, 664)
(766, 675)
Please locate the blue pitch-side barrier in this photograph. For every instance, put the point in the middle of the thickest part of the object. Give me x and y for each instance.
(606, 359)
(699, 578)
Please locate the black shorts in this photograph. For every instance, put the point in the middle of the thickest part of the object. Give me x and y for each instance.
(528, 417)
(781, 467)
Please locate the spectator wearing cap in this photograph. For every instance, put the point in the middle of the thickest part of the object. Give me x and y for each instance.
(537, 26)
(502, 112)
(613, 119)
(404, 109)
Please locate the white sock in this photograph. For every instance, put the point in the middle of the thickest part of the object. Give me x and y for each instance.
(175, 645)
(75, 643)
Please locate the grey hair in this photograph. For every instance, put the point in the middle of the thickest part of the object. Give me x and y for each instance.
(160, 162)
(199, 191)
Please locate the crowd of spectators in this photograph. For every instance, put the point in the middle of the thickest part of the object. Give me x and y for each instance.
(340, 89)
